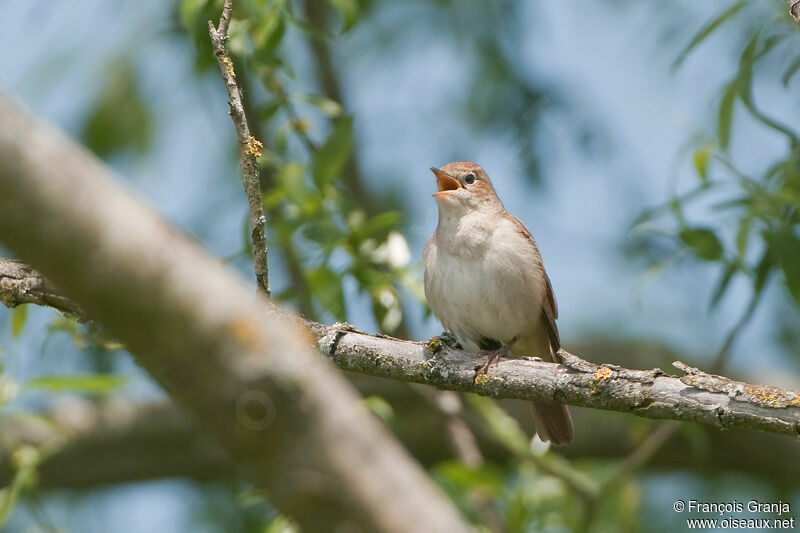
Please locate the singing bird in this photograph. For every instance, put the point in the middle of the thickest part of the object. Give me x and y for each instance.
(485, 281)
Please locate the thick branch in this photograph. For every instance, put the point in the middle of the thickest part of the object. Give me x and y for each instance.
(249, 147)
(697, 396)
(120, 442)
(90, 445)
(249, 375)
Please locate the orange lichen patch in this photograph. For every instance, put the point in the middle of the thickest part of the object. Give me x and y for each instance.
(245, 330)
(229, 66)
(600, 375)
(772, 397)
(603, 373)
(481, 379)
(689, 379)
(254, 146)
(434, 345)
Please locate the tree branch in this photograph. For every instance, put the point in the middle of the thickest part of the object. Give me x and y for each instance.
(121, 442)
(21, 284)
(249, 147)
(699, 397)
(794, 9)
(252, 377)
(696, 397)
(90, 445)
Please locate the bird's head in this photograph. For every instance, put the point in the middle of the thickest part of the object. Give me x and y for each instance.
(464, 186)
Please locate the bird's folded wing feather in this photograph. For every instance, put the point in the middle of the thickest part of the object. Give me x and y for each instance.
(549, 304)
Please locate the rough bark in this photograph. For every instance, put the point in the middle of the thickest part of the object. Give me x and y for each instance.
(249, 148)
(253, 378)
(696, 396)
(21, 284)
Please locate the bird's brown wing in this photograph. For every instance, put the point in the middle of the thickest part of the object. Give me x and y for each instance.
(549, 304)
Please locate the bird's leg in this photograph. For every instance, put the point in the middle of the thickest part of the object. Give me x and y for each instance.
(494, 358)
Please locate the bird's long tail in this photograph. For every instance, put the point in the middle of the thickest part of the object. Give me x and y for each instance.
(553, 423)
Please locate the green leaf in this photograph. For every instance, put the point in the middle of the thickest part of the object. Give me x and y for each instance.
(707, 30)
(791, 71)
(763, 268)
(502, 426)
(332, 156)
(121, 118)
(326, 105)
(723, 283)
(785, 247)
(282, 524)
(25, 460)
(703, 242)
(326, 286)
(743, 235)
(349, 10)
(701, 158)
(323, 232)
(194, 16)
(750, 55)
(725, 116)
(291, 177)
(380, 407)
(381, 224)
(268, 34)
(82, 382)
(486, 478)
(18, 317)
(266, 110)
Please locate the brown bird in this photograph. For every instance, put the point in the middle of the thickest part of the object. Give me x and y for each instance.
(485, 281)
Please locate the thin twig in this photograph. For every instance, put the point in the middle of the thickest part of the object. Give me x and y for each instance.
(249, 147)
(288, 253)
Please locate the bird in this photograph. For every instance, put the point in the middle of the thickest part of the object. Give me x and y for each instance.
(486, 283)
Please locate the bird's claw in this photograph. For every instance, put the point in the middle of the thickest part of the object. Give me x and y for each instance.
(450, 340)
(493, 359)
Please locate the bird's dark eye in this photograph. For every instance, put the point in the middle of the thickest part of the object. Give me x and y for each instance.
(469, 178)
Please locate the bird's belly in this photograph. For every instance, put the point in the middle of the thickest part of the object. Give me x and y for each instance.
(484, 298)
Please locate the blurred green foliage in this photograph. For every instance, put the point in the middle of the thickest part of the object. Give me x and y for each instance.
(120, 120)
(323, 230)
(752, 229)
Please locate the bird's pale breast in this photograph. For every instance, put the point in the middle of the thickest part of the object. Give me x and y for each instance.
(483, 279)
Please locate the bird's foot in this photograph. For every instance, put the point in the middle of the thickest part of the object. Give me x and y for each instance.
(450, 340)
(446, 339)
(494, 357)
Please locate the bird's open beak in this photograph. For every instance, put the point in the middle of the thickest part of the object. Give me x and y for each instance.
(447, 183)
